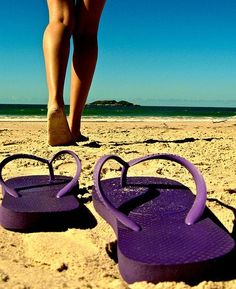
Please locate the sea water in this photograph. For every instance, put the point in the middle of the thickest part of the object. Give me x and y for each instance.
(120, 112)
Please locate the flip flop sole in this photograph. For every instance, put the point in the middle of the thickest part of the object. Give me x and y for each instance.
(166, 249)
(37, 203)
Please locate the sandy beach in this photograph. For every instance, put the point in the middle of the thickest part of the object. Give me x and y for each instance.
(78, 257)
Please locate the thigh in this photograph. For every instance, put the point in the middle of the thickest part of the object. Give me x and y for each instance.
(88, 13)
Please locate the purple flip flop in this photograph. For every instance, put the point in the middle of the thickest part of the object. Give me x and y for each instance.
(164, 232)
(29, 201)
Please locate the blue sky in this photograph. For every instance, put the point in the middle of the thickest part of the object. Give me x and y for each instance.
(169, 52)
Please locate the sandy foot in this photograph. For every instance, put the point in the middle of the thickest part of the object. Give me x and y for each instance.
(58, 129)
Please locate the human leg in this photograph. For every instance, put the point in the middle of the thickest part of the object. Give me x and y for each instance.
(56, 45)
(88, 13)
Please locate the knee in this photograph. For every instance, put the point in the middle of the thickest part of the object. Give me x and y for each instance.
(91, 37)
(86, 37)
(90, 28)
(62, 23)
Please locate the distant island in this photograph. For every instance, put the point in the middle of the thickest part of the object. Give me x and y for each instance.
(111, 103)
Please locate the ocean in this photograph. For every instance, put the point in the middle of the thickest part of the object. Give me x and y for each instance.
(118, 112)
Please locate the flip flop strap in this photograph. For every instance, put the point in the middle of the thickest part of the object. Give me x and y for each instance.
(197, 208)
(97, 183)
(75, 179)
(63, 191)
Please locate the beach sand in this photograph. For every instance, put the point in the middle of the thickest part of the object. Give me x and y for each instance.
(78, 257)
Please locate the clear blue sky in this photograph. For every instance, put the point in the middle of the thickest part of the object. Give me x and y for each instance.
(152, 52)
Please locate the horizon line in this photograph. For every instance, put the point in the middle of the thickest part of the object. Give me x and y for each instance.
(180, 106)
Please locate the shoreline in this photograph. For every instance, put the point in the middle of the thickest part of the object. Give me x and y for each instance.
(124, 119)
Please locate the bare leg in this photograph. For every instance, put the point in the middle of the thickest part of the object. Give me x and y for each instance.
(88, 13)
(56, 45)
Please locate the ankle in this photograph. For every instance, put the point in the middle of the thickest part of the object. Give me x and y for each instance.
(75, 131)
(74, 125)
(55, 105)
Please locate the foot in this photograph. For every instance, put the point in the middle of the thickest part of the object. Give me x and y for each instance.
(58, 129)
(75, 131)
(80, 138)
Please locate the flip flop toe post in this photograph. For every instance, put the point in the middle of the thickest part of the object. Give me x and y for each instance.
(164, 232)
(30, 201)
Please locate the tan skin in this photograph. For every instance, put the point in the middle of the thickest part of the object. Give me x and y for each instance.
(79, 21)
